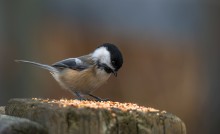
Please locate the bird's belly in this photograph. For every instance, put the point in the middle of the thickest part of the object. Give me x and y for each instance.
(82, 81)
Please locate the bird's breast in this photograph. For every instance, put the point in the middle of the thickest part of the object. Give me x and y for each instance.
(84, 81)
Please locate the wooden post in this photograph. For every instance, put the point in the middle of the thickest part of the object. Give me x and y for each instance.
(16, 125)
(90, 117)
(2, 110)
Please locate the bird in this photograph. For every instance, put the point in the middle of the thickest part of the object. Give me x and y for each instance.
(83, 75)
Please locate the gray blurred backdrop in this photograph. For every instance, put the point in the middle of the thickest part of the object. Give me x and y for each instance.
(171, 52)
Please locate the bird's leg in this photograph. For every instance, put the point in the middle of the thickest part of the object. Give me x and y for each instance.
(80, 97)
(98, 98)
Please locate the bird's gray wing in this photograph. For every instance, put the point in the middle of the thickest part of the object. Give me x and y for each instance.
(72, 63)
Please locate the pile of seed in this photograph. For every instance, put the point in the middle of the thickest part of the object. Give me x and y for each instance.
(97, 105)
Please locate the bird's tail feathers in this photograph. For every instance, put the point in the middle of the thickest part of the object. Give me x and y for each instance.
(44, 66)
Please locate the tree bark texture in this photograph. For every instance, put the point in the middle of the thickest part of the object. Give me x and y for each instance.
(89, 117)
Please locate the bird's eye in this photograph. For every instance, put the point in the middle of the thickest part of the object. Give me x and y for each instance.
(113, 62)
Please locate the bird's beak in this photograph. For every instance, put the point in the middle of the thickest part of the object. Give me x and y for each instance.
(115, 73)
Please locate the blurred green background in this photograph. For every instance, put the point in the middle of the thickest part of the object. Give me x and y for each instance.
(171, 52)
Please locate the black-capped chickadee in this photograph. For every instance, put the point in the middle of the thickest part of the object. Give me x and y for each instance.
(84, 74)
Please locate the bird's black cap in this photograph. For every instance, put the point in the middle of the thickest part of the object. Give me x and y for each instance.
(116, 55)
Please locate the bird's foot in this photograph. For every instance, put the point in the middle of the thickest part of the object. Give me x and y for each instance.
(98, 98)
(83, 99)
(80, 97)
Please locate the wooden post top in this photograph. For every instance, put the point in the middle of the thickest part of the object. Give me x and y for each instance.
(90, 117)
